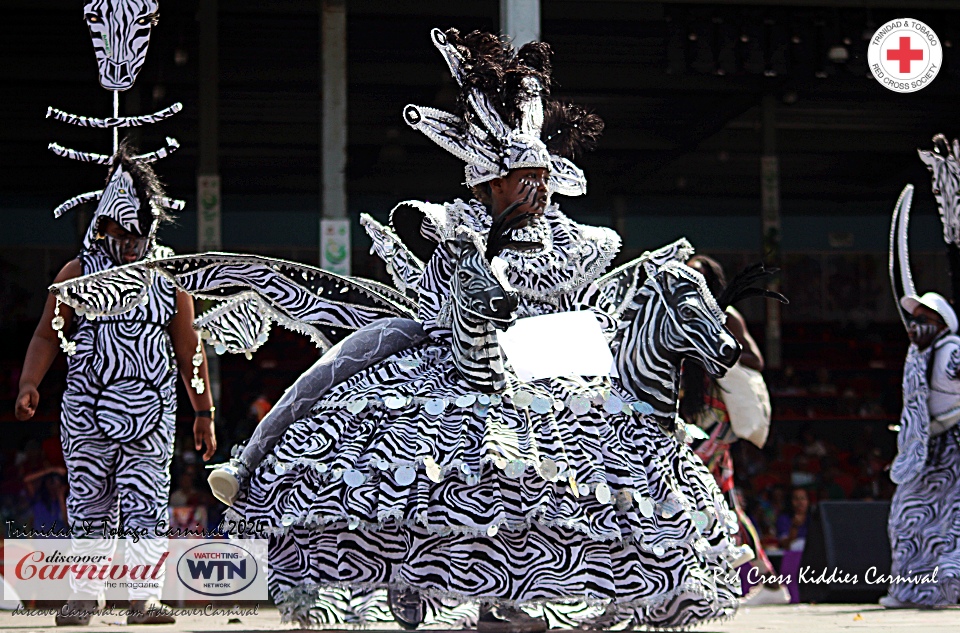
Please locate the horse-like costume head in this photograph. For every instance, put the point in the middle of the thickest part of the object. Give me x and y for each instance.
(120, 30)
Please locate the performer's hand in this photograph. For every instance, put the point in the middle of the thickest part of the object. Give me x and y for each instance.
(203, 434)
(27, 403)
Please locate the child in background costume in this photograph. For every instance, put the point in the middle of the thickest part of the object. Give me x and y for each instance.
(923, 527)
(118, 418)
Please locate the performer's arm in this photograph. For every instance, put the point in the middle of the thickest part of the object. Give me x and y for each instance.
(185, 341)
(750, 356)
(44, 346)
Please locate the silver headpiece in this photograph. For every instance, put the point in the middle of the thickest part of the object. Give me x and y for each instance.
(496, 148)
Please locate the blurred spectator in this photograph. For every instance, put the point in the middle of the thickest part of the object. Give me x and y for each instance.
(812, 445)
(260, 407)
(824, 385)
(49, 503)
(792, 525)
(52, 447)
(187, 492)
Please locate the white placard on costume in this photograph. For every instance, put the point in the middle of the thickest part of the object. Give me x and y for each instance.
(553, 345)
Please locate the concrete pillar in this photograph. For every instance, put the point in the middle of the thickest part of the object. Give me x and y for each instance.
(520, 19)
(770, 205)
(334, 221)
(208, 175)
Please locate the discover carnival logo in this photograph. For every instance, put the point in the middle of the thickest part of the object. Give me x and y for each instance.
(905, 55)
(174, 569)
(217, 569)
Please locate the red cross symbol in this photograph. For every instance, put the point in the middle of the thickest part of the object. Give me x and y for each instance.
(905, 54)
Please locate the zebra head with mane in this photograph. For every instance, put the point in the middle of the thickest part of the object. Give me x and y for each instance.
(944, 165)
(482, 301)
(673, 317)
(120, 30)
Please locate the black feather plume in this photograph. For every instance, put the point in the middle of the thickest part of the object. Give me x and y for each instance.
(742, 286)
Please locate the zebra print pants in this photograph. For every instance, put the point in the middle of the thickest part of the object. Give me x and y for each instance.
(115, 483)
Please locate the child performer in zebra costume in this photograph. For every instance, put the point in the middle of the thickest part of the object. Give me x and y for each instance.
(436, 473)
(924, 528)
(118, 412)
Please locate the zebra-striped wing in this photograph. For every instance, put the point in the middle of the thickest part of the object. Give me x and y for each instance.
(404, 267)
(252, 293)
(108, 292)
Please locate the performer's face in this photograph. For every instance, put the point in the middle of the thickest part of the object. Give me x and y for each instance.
(925, 326)
(126, 246)
(527, 185)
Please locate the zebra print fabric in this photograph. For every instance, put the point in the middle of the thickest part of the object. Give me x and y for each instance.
(118, 415)
(120, 30)
(573, 254)
(114, 122)
(105, 159)
(253, 293)
(406, 475)
(924, 527)
(924, 523)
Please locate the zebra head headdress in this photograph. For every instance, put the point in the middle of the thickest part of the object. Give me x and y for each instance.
(503, 113)
(134, 199)
(120, 30)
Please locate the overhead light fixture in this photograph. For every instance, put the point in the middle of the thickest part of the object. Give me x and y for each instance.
(838, 54)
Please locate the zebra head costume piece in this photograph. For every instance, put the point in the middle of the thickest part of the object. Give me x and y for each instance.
(673, 317)
(133, 198)
(944, 164)
(481, 301)
(503, 113)
(120, 30)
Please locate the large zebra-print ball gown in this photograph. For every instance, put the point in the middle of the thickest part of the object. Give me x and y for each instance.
(549, 492)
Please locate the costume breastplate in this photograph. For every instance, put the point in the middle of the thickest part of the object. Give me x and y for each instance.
(133, 347)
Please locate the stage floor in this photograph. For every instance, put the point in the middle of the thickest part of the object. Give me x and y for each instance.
(770, 619)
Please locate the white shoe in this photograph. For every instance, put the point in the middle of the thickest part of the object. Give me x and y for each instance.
(745, 556)
(765, 595)
(224, 484)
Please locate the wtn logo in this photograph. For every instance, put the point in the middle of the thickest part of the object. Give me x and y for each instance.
(224, 569)
(218, 568)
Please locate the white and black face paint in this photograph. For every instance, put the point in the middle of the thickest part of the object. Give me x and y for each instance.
(922, 332)
(121, 204)
(125, 250)
(120, 30)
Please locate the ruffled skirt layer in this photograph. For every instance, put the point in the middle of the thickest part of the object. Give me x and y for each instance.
(559, 492)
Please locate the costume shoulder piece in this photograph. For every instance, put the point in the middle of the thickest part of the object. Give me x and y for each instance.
(573, 255)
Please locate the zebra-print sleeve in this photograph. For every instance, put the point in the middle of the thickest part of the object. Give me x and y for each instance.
(953, 364)
(434, 293)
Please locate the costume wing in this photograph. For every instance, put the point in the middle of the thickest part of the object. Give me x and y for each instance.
(404, 267)
(252, 293)
(619, 286)
(901, 281)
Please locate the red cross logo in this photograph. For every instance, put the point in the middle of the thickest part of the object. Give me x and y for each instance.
(905, 54)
